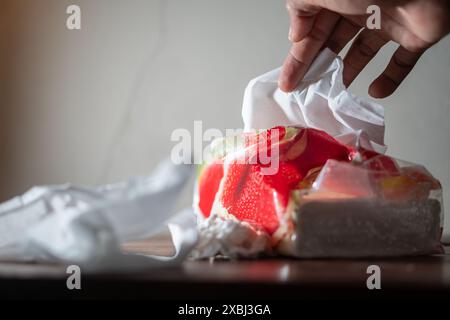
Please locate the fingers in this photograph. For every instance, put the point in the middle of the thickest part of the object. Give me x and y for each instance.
(301, 22)
(398, 68)
(303, 52)
(344, 31)
(394, 30)
(363, 49)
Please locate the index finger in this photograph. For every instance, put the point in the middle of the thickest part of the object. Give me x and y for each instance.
(302, 53)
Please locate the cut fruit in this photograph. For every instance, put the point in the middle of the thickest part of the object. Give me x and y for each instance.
(208, 185)
(247, 197)
(247, 193)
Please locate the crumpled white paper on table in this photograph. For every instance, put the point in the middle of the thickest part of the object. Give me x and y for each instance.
(75, 225)
(69, 224)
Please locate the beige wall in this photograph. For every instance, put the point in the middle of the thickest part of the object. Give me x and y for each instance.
(99, 104)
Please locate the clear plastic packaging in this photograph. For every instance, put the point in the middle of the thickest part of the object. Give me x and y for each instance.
(326, 200)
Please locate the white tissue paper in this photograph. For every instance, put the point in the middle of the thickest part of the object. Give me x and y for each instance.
(320, 101)
(68, 224)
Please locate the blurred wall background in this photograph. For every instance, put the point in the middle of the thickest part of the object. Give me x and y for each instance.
(99, 104)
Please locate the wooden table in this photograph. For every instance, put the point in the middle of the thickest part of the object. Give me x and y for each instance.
(261, 279)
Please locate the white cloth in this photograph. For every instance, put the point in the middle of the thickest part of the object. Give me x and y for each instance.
(69, 224)
(320, 101)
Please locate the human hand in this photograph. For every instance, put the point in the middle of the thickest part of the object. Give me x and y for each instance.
(414, 24)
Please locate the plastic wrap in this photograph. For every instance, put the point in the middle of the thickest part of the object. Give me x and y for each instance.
(326, 199)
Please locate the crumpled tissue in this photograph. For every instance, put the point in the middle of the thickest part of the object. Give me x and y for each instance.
(70, 224)
(320, 101)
